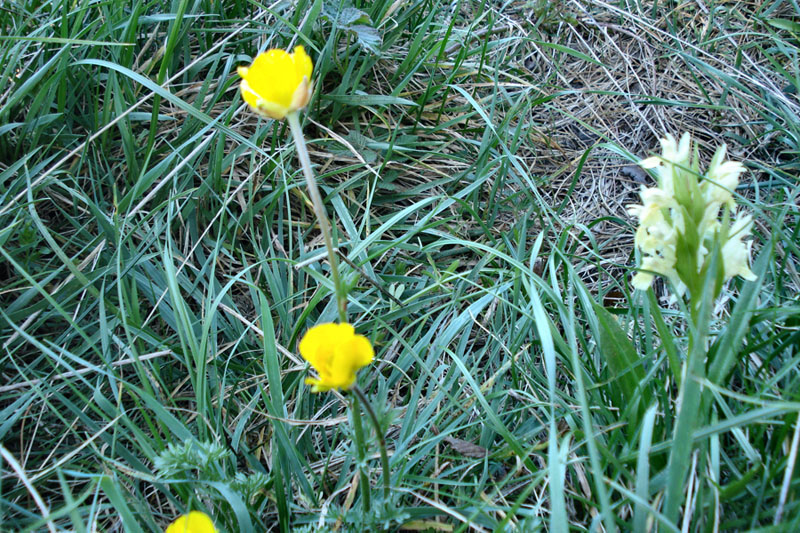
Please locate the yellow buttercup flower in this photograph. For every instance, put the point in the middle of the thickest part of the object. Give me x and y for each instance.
(194, 522)
(277, 82)
(336, 353)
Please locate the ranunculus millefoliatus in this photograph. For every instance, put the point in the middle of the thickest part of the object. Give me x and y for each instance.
(277, 83)
(194, 522)
(336, 352)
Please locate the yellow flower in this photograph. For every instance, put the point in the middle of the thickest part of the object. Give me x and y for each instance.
(336, 353)
(277, 82)
(194, 522)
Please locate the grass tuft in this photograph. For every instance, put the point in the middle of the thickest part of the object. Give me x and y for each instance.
(159, 261)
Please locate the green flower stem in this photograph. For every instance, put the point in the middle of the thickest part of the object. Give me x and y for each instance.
(361, 454)
(381, 440)
(689, 401)
(319, 209)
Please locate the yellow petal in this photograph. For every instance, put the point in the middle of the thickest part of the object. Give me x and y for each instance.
(317, 385)
(316, 345)
(362, 351)
(248, 94)
(341, 373)
(264, 107)
(194, 522)
(261, 106)
(302, 62)
(272, 77)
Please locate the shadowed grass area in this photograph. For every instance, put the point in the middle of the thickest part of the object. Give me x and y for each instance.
(159, 261)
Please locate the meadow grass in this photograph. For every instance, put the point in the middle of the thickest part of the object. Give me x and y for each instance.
(159, 261)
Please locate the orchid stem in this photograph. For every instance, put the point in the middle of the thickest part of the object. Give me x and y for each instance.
(319, 209)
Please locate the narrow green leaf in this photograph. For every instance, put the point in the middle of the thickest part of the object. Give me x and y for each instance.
(725, 350)
(568, 51)
(641, 511)
(784, 24)
(666, 336)
(363, 100)
(59, 40)
(120, 504)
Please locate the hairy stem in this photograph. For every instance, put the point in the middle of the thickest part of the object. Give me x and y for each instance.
(319, 209)
(381, 439)
(361, 453)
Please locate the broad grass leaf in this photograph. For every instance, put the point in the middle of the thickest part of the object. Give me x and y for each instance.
(624, 363)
